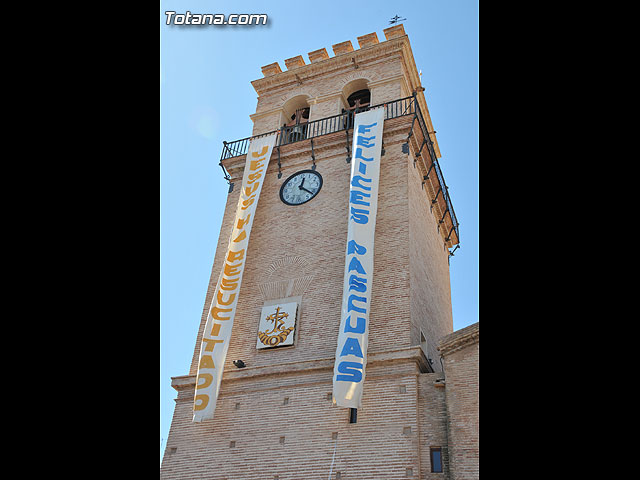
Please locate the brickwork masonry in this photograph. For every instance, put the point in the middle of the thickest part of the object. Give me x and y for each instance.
(460, 352)
(275, 418)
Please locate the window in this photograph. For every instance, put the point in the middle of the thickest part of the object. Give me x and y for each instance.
(353, 415)
(436, 460)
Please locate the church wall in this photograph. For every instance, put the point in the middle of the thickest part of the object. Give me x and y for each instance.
(432, 417)
(401, 417)
(309, 240)
(429, 269)
(461, 351)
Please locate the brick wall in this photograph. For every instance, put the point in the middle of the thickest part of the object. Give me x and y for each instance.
(432, 415)
(407, 245)
(429, 269)
(460, 351)
(402, 416)
(282, 231)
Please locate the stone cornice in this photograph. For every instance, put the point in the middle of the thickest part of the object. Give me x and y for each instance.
(460, 339)
(374, 359)
(415, 85)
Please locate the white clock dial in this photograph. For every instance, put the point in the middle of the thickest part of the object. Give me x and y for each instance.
(301, 187)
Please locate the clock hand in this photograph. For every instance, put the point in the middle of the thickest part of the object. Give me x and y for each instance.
(306, 190)
(302, 183)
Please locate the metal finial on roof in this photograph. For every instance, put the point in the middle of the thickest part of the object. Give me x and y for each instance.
(396, 19)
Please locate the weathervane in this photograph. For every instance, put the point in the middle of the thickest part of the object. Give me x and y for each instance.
(396, 19)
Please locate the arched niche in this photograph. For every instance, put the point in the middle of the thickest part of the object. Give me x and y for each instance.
(294, 118)
(356, 92)
(299, 104)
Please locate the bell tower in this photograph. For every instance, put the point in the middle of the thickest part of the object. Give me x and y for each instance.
(274, 416)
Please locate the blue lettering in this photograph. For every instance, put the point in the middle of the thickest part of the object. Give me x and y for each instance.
(349, 369)
(356, 198)
(361, 324)
(366, 128)
(353, 247)
(351, 306)
(362, 168)
(355, 264)
(359, 155)
(359, 215)
(366, 141)
(351, 347)
(357, 179)
(357, 283)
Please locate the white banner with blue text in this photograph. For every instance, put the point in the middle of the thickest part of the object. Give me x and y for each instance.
(217, 331)
(353, 338)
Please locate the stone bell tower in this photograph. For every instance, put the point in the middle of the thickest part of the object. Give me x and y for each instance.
(274, 418)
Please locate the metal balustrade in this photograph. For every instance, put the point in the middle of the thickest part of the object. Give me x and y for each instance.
(344, 121)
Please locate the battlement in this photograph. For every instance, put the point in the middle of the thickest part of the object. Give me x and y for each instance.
(319, 84)
(341, 48)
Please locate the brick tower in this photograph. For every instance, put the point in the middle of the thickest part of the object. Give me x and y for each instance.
(274, 418)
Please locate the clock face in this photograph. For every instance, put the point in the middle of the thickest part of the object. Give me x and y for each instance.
(301, 187)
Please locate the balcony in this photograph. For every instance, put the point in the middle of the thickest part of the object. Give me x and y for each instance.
(418, 135)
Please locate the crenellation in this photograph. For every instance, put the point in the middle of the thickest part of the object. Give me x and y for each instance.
(364, 41)
(271, 69)
(318, 55)
(388, 68)
(368, 40)
(342, 47)
(294, 62)
(394, 32)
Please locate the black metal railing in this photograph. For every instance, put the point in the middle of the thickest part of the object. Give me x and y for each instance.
(344, 121)
(435, 165)
(323, 126)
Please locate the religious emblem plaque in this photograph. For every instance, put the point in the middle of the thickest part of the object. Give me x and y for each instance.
(277, 325)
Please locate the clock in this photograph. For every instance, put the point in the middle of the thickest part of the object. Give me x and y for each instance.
(300, 187)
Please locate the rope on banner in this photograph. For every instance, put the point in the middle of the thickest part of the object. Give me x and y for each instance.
(334, 457)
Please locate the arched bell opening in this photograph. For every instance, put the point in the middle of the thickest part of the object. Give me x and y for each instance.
(356, 97)
(295, 117)
(359, 99)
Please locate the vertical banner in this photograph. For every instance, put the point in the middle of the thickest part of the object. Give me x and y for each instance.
(217, 331)
(351, 352)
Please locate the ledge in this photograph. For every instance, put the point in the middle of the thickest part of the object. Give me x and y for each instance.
(460, 339)
(407, 354)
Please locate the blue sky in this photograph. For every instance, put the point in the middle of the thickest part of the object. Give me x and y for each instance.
(206, 97)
